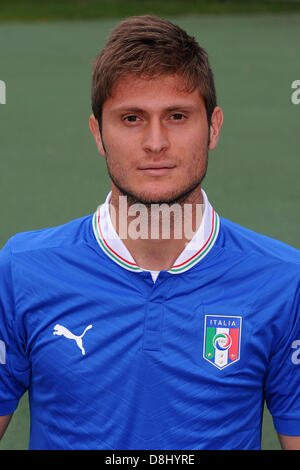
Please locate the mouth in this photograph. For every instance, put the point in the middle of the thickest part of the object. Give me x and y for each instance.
(157, 169)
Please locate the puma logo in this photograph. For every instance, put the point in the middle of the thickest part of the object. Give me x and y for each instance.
(63, 331)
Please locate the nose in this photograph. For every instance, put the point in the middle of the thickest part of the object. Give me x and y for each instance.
(155, 138)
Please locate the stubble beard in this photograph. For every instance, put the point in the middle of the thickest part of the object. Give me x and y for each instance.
(178, 197)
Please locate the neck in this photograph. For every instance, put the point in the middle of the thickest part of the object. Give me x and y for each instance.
(156, 234)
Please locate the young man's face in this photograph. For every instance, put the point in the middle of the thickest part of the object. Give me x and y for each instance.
(155, 139)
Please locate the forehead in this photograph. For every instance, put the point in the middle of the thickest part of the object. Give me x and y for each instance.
(151, 93)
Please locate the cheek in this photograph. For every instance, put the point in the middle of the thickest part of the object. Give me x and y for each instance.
(120, 157)
(193, 152)
(119, 146)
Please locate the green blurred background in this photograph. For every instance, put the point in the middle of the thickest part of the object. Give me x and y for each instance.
(50, 171)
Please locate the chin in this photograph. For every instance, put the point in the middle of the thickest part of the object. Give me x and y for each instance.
(149, 197)
(159, 197)
(156, 193)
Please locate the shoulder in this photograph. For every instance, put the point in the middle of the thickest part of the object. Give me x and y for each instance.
(71, 233)
(235, 237)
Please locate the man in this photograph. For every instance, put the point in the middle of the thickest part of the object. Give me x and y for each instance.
(126, 334)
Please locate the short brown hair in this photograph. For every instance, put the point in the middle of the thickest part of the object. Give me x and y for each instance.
(149, 46)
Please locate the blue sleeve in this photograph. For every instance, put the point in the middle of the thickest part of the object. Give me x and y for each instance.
(14, 365)
(282, 387)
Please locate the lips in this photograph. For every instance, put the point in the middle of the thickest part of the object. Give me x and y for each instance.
(157, 169)
(155, 166)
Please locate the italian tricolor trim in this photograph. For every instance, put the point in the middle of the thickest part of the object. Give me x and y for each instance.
(107, 249)
(179, 268)
(113, 246)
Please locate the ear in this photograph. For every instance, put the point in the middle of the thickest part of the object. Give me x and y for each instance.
(215, 127)
(94, 127)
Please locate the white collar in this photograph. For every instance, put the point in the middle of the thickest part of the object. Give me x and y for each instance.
(198, 247)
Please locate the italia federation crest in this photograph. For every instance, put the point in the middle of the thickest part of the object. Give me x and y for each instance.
(222, 339)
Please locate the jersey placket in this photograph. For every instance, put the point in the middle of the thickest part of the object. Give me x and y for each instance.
(153, 326)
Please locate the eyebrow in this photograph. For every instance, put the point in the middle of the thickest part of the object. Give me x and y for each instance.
(169, 109)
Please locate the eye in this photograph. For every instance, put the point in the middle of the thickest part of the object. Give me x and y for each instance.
(177, 117)
(131, 118)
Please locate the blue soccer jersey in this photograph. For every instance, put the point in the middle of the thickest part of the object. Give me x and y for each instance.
(116, 357)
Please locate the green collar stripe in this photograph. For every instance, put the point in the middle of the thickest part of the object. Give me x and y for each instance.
(133, 267)
(187, 265)
(108, 251)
